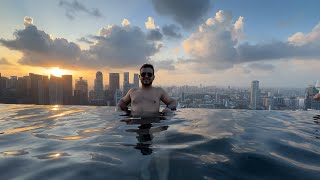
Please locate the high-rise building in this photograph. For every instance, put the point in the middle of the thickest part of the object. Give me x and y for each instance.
(255, 95)
(55, 90)
(136, 81)
(12, 82)
(126, 84)
(98, 87)
(114, 85)
(114, 82)
(81, 92)
(34, 87)
(67, 89)
(310, 103)
(43, 90)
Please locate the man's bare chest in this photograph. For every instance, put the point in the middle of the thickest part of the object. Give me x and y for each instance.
(145, 98)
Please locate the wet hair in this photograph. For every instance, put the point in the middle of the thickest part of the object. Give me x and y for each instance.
(147, 66)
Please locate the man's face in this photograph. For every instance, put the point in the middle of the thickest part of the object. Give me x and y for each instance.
(146, 76)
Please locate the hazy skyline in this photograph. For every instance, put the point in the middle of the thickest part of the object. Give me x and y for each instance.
(188, 41)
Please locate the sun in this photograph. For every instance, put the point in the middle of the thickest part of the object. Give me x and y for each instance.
(57, 72)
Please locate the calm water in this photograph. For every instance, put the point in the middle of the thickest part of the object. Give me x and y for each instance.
(77, 142)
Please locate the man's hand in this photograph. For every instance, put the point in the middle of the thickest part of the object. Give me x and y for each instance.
(166, 110)
(317, 97)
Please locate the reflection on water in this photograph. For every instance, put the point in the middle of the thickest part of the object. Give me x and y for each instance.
(79, 142)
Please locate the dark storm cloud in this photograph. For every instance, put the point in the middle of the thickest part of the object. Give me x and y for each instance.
(154, 35)
(4, 61)
(85, 40)
(186, 12)
(72, 8)
(171, 30)
(40, 50)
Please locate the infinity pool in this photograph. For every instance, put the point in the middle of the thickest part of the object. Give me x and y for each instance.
(86, 142)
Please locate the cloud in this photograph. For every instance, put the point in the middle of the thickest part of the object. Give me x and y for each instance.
(262, 66)
(186, 12)
(301, 39)
(123, 46)
(150, 23)
(171, 30)
(27, 21)
(164, 65)
(125, 22)
(115, 47)
(154, 35)
(4, 61)
(83, 39)
(216, 45)
(72, 8)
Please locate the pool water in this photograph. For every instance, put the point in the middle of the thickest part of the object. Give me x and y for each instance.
(86, 142)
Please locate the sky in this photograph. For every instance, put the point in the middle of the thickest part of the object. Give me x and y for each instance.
(189, 42)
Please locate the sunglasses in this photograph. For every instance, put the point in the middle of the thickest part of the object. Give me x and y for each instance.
(148, 73)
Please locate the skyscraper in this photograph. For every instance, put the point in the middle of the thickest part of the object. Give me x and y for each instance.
(34, 87)
(255, 95)
(0, 85)
(136, 81)
(55, 90)
(114, 84)
(126, 84)
(43, 90)
(67, 89)
(98, 87)
(81, 92)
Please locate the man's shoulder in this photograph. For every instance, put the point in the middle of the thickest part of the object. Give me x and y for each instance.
(133, 89)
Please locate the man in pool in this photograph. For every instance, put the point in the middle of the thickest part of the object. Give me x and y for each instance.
(145, 101)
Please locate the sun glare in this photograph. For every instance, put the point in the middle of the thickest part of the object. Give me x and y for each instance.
(57, 72)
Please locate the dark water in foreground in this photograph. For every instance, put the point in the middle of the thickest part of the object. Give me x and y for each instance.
(76, 142)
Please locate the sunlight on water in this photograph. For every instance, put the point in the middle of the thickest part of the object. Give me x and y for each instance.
(192, 144)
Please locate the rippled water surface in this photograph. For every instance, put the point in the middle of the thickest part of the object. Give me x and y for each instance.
(79, 142)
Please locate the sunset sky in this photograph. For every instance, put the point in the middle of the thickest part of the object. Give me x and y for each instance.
(212, 42)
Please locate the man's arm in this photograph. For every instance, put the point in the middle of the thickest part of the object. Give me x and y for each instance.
(124, 102)
(169, 101)
(317, 97)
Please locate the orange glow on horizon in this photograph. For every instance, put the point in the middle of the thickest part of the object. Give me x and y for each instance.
(57, 72)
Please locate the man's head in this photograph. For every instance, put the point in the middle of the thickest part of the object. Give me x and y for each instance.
(146, 74)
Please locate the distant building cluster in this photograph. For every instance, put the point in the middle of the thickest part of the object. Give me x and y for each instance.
(42, 90)
(39, 89)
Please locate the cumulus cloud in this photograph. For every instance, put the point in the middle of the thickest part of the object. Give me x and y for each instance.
(27, 21)
(4, 61)
(125, 23)
(164, 65)
(215, 45)
(171, 30)
(301, 39)
(123, 46)
(150, 23)
(154, 35)
(72, 8)
(186, 12)
(85, 40)
(115, 47)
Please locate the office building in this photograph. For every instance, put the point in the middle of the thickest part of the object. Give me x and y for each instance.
(55, 90)
(136, 81)
(67, 89)
(43, 90)
(255, 95)
(98, 87)
(81, 92)
(34, 87)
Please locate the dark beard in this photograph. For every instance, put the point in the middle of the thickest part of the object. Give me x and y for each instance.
(146, 84)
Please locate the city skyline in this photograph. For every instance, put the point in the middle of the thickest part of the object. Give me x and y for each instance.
(222, 43)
